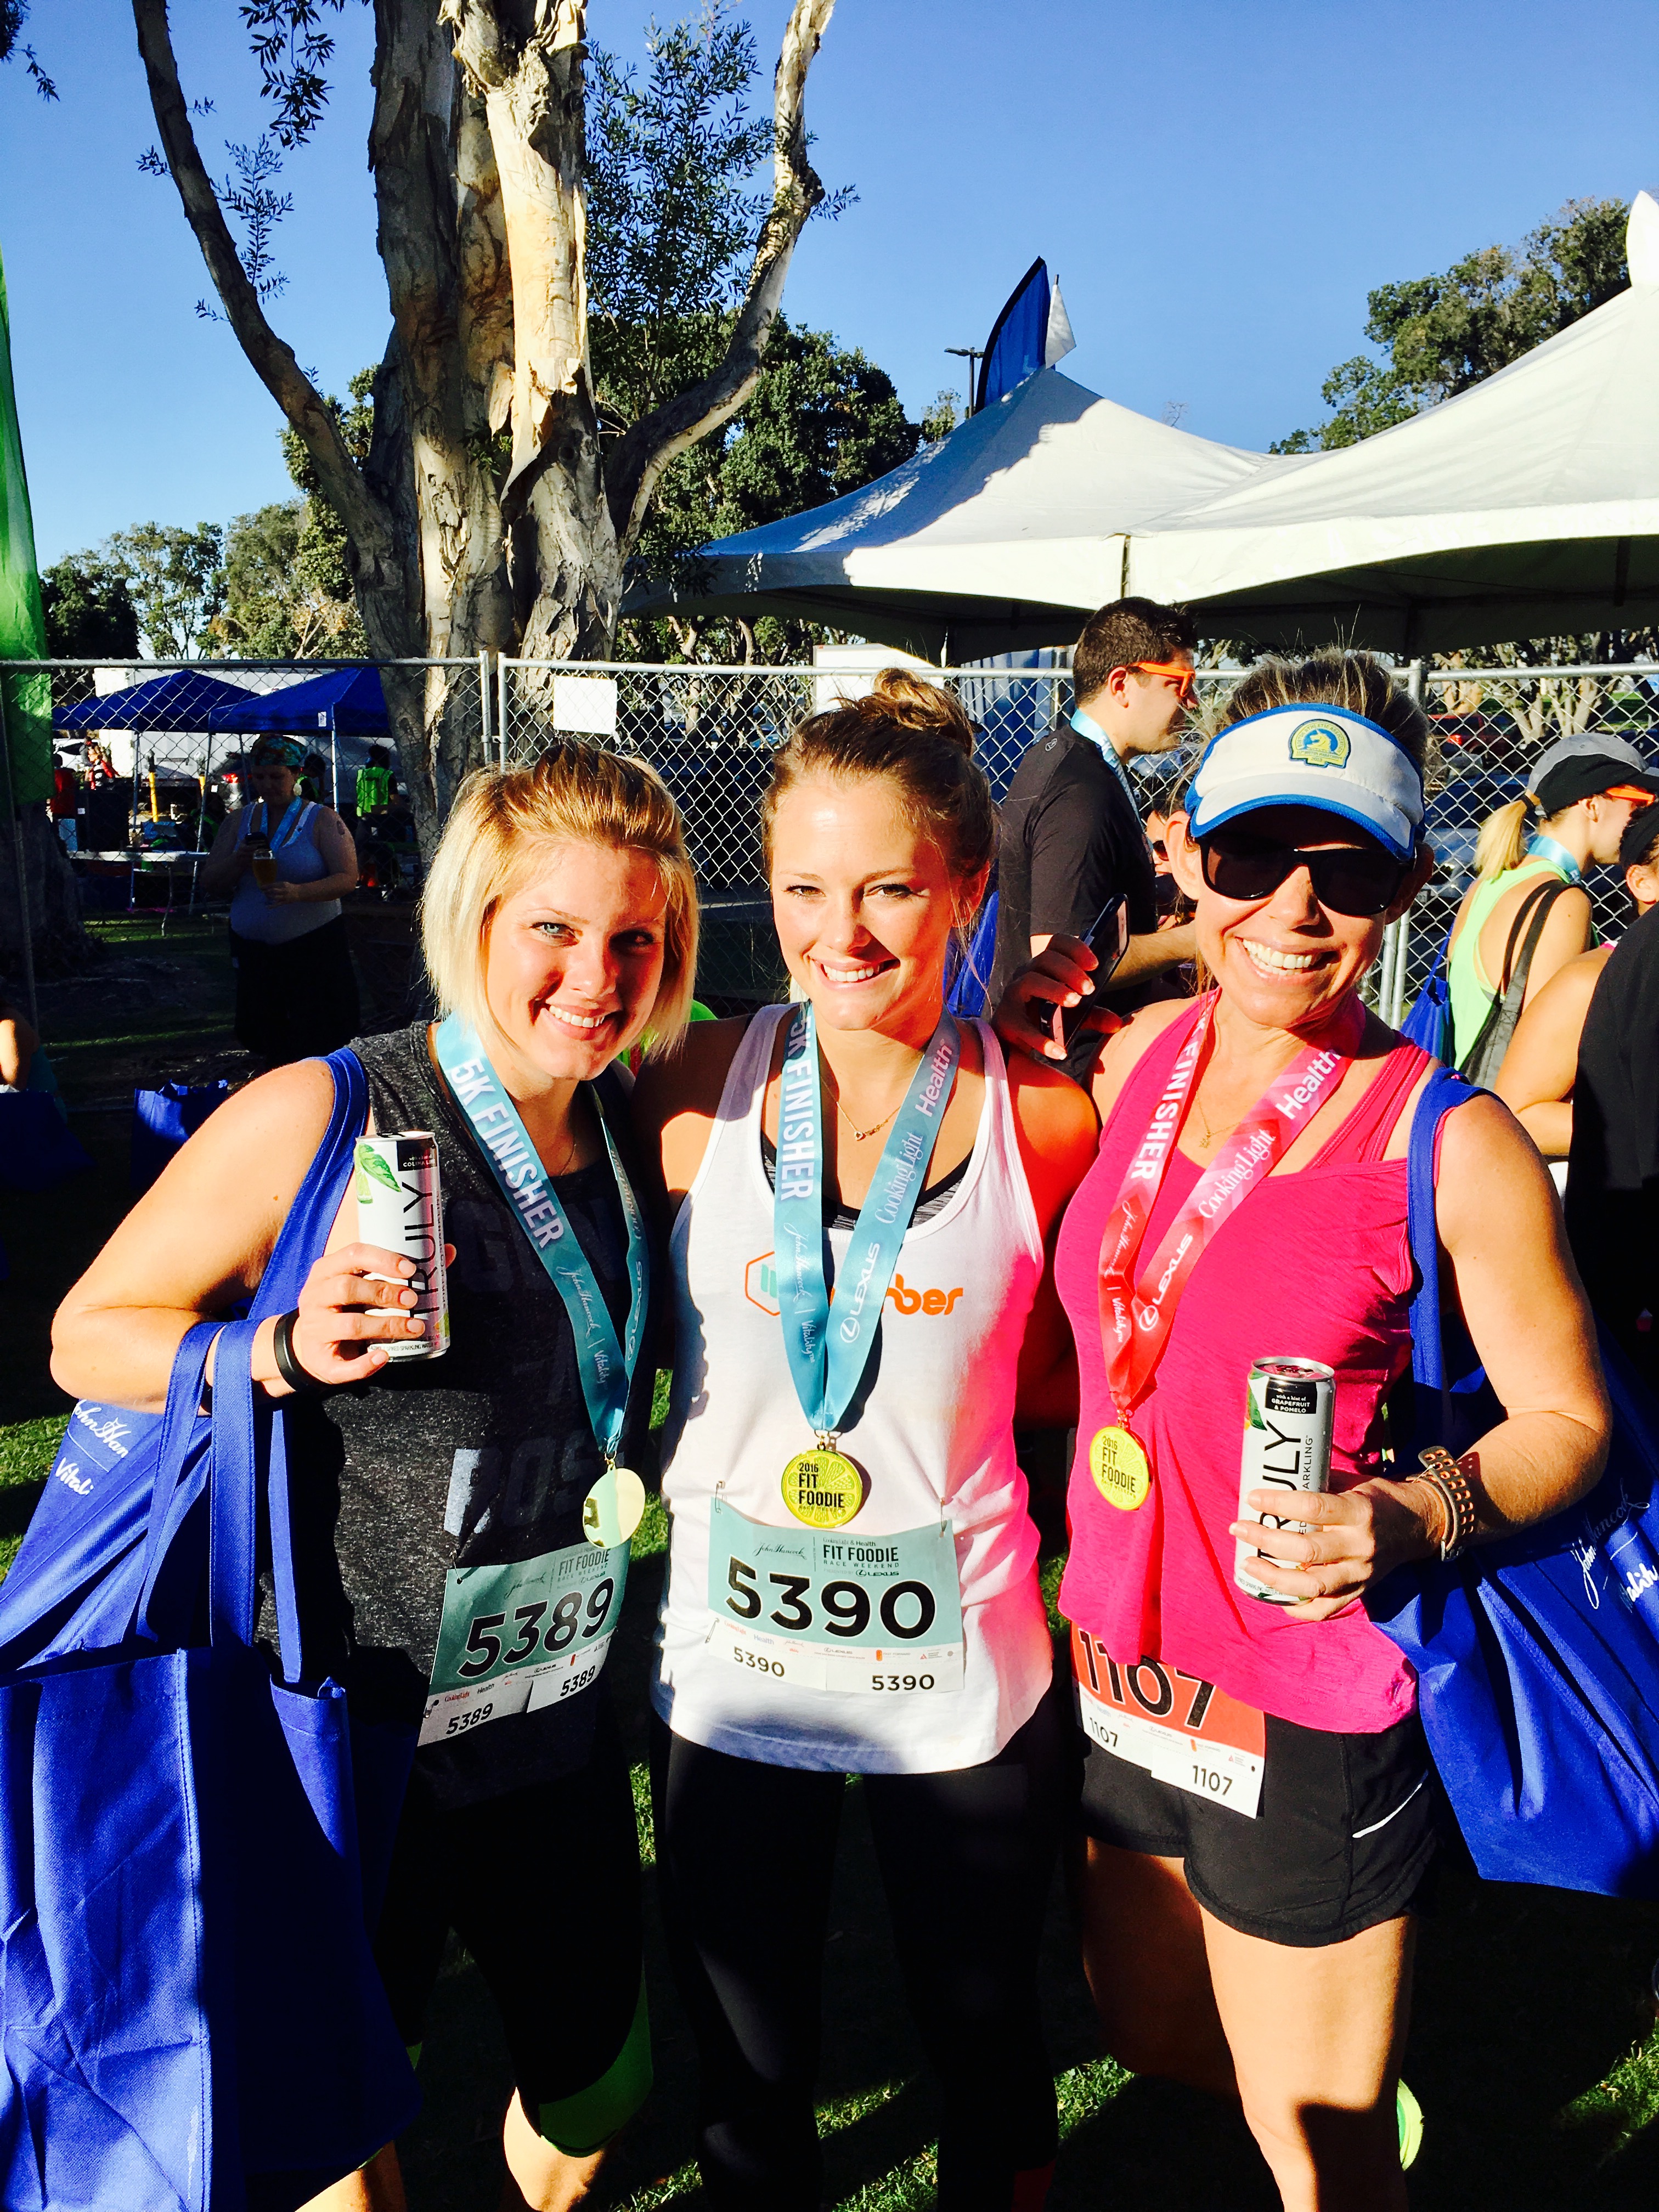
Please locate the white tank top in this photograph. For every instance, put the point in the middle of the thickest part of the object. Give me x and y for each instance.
(933, 1432)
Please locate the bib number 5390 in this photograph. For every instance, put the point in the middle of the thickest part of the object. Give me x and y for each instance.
(905, 1610)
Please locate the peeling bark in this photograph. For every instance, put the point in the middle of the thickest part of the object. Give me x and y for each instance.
(478, 146)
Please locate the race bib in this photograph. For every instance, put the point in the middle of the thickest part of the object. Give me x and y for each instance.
(1180, 1729)
(831, 1610)
(516, 1637)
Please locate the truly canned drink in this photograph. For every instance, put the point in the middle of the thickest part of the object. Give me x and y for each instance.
(400, 1206)
(1288, 1407)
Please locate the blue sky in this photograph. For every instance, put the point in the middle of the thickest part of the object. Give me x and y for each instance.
(1216, 182)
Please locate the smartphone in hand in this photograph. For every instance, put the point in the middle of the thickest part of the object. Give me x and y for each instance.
(1107, 938)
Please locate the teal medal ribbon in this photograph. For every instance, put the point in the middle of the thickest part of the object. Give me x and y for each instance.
(289, 828)
(826, 1363)
(1541, 847)
(606, 1366)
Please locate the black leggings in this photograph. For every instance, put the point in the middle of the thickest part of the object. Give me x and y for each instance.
(744, 1857)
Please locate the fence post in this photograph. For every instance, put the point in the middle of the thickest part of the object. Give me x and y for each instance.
(20, 858)
(501, 704)
(483, 697)
(1391, 982)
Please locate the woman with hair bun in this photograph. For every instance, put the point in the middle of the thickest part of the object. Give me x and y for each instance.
(463, 1521)
(852, 1586)
(1527, 913)
(1259, 1814)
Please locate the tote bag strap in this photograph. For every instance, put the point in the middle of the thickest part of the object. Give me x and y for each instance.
(1443, 1092)
(233, 1491)
(171, 1497)
(305, 1231)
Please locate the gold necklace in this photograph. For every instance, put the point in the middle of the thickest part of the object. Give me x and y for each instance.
(862, 1133)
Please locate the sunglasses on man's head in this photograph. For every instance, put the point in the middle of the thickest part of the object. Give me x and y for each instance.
(1177, 670)
(1351, 879)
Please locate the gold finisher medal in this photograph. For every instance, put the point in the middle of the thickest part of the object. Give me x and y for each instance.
(1119, 1466)
(614, 1508)
(822, 1487)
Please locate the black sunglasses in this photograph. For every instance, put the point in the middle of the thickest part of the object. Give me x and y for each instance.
(1346, 878)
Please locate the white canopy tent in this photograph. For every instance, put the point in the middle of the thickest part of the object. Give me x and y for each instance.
(1528, 506)
(988, 542)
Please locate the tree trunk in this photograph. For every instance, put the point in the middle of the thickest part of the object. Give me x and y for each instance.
(477, 147)
(54, 899)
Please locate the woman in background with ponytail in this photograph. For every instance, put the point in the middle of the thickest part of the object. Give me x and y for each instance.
(1526, 914)
(852, 1573)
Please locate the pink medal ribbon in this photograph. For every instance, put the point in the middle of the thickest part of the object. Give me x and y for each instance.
(1135, 1319)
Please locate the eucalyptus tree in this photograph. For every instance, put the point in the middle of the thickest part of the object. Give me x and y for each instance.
(488, 512)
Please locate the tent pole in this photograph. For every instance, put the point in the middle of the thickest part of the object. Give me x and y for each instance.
(21, 860)
(201, 820)
(333, 765)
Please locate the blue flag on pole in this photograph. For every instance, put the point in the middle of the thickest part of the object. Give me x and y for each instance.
(1033, 332)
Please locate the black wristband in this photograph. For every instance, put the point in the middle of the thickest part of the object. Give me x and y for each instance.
(288, 1360)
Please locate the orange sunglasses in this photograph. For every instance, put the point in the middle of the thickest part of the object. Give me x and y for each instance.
(1186, 679)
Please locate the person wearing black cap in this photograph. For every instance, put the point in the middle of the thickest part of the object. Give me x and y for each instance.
(1536, 1079)
(1612, 1169)
(1527, 914)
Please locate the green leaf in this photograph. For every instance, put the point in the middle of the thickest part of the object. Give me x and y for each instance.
(370, 1163)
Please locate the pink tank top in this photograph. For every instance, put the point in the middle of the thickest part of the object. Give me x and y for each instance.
(1315, 1264)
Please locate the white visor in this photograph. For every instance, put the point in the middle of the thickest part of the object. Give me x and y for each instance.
(1320, 756)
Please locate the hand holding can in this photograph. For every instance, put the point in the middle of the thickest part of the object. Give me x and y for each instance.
(400, 1207)
(1289, 1407)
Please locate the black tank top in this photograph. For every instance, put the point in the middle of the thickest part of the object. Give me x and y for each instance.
(482, 1456)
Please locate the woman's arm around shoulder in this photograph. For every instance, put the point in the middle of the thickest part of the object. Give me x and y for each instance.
(676, 1100)
(195, 1242)
(1502, 1234)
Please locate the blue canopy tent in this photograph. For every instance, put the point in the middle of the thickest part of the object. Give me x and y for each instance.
(181, 704)
(347, 702)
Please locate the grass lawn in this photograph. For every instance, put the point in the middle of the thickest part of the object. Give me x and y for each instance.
(1532, 2046)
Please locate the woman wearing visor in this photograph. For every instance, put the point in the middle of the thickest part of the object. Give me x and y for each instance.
(1246, 1915)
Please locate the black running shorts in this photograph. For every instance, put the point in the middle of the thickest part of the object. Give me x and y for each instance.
(1345, 1834)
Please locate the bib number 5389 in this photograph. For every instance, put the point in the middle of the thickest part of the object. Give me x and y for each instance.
(485, 1648)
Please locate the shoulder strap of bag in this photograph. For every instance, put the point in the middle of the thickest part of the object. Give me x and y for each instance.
(1534, 910)
(170, 1499)
(1444, 1091)
(318, 1200)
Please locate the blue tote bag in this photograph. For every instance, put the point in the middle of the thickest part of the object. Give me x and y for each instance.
(77, 1581)
(191, 2019)
(1429, 1023)
(1537, 1657)
(165, 1119)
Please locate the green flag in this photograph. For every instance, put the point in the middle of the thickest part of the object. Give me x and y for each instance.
(22, 624)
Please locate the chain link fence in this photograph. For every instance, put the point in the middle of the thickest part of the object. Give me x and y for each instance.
(160, 751)
(711, 733)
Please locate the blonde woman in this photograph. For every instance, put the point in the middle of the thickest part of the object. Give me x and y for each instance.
(559, 922)
(1526, 914)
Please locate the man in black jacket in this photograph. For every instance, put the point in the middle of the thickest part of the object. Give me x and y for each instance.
(1071, 834)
